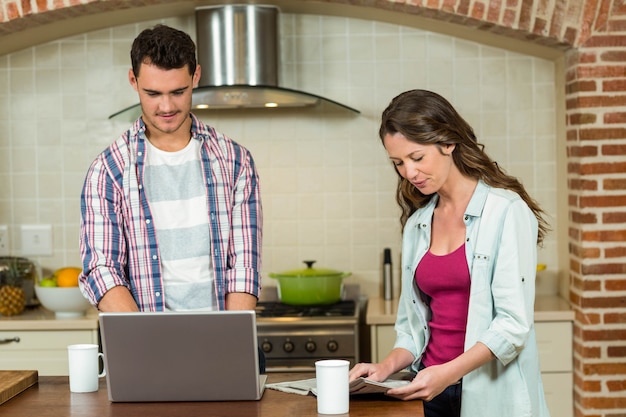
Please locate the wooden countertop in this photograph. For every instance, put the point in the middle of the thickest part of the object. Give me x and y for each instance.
(41, 319)
(51, 397)
(547, 308)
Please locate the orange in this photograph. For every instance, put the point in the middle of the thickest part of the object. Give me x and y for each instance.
(68, 276)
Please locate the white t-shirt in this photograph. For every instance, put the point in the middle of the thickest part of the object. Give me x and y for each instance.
(174, 186)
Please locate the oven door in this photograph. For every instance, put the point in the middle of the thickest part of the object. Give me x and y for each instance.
(295, 347)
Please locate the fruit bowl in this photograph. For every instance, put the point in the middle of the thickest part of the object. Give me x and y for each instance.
(65, 302)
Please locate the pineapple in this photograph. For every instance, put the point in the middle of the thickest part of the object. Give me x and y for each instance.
(12, 296)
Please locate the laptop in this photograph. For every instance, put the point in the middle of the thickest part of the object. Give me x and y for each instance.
(181, 356)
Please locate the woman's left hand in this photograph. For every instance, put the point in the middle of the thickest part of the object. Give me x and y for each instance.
(427, 384)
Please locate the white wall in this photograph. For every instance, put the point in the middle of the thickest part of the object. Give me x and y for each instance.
(327, 186)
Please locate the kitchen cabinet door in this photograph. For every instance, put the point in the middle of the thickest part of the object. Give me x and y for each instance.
(554, 342)
(41, 350)
(383, 338)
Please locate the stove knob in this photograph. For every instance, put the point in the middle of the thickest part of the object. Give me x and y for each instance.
(288, 346)
(310, 346)
(266, 346)
(332, 346)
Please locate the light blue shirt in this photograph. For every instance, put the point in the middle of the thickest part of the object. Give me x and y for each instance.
(501, 250)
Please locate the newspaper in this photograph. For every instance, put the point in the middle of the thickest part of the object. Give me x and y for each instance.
(358, 386)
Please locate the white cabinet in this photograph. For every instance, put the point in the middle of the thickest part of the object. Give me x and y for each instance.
(45, 351)
(383, 337)
(38, 341)
(554, 341)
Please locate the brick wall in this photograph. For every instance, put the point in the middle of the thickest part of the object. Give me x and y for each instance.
(596, 149)
(592, 34)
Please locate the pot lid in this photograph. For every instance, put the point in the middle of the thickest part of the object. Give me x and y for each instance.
(309, 271)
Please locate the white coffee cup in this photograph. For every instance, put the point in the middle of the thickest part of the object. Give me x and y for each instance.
(84, 360)
(332, 382)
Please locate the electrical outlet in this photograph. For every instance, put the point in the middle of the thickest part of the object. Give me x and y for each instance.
(4, 240)
(36, 239)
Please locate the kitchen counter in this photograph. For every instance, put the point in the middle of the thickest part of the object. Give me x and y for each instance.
(552, 308)
(41, 319)
(51, 397)
(547, 308)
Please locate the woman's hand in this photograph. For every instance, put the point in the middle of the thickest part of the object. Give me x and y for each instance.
(373, 371)
(431, 381)
(397, 359)
(427, 384)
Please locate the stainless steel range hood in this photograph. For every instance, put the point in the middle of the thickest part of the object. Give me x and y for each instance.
(238, 51)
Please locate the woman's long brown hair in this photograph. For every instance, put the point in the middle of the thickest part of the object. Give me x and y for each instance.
(427, 118)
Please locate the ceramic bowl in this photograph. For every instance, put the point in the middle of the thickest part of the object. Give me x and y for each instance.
(65, 302)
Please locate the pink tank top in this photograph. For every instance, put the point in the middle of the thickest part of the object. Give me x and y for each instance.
(445, 282)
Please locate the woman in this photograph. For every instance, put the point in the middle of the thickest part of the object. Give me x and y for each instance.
(470, 236)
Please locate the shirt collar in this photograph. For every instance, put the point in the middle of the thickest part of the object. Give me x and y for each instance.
(199, 130)
(477, 202)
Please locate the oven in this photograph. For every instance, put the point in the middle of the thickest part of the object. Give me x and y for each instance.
(293, 338)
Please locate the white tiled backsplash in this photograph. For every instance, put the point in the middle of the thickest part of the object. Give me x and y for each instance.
(328, 189)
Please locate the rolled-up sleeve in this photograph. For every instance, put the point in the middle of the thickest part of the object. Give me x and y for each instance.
(244, 260)
(513, 284)
(101, 234)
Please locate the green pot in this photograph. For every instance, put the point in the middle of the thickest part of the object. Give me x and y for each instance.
(310, 286)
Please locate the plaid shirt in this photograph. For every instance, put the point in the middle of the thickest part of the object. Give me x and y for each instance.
(118, 241)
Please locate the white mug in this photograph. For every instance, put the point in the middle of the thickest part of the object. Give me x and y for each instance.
(84, 360)
(332, 382)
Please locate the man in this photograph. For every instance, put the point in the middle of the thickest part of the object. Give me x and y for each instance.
(171, 211)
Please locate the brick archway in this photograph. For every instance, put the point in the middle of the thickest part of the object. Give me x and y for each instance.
(592, 35)
(567, 23)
